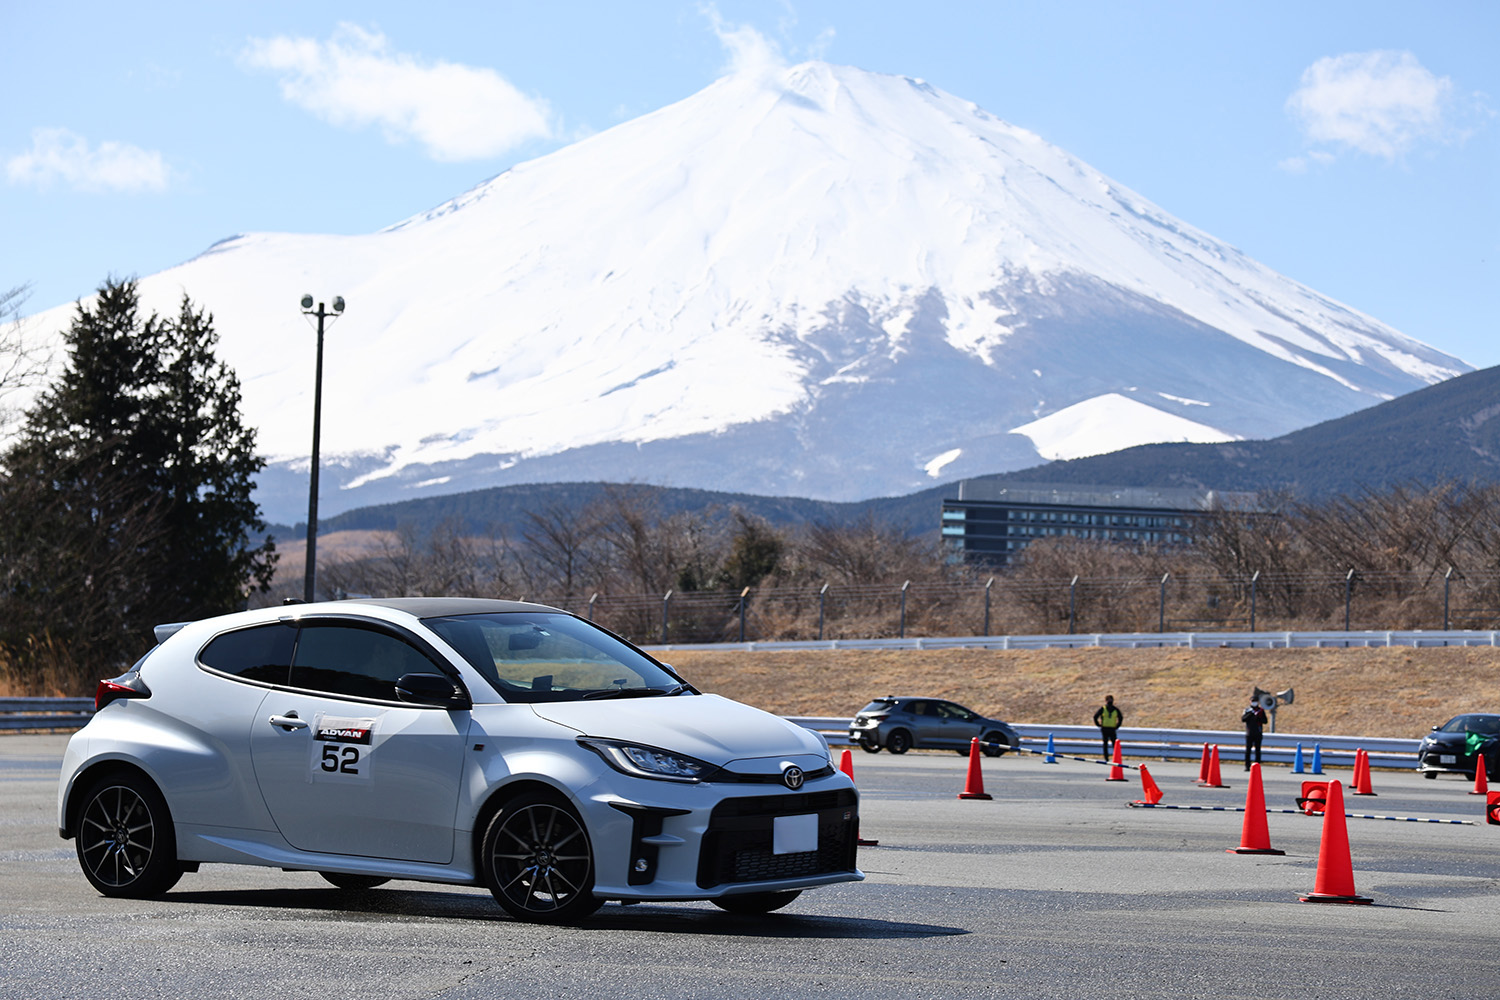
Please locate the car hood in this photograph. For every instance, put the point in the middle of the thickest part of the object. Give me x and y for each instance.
(708, 727)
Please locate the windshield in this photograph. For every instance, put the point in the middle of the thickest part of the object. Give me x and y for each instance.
(1489, 725)
(545, 656)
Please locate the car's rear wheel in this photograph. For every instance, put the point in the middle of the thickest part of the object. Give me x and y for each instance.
(537, 861)
(125, 841)
(346, 881)
(898, 742)
(756, 902)
(994, 744)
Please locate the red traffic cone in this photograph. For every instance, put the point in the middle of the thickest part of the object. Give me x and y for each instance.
(1481, 780)
(1492, 809)
(974, 786)
(1117, 770)
(1203, 767)
(846, 763)
(1215, 779)
(1255, 835)
(1314, 797)
(1362, 774)
(1150, 794)
(1335, 881)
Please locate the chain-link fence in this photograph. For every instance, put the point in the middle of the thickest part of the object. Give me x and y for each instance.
(1006, 606)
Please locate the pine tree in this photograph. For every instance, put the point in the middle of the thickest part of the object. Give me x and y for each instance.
(128, 493)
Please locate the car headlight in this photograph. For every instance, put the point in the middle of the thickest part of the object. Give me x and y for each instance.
(650, 762)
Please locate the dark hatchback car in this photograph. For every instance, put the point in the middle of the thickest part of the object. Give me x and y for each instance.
(899, 724)
(1458, 745)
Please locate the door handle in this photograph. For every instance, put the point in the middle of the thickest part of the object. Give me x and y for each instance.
(287, 722)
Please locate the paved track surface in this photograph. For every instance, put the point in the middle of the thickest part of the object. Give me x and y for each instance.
(1053, 889)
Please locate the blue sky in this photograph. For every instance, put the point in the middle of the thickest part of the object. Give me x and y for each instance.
(1352, 146)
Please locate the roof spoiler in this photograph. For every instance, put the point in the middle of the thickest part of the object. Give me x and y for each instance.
(165, 632)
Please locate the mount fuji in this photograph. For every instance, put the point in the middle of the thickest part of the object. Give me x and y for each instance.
(816, 281)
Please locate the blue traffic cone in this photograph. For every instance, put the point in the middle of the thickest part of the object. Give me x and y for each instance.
(1317, 767)
(1297, 767)
(1051, 757)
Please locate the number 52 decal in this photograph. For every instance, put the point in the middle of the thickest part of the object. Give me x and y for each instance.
(341, 748)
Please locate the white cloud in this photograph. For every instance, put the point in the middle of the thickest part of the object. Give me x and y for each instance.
(60, 156)
(1380, 103)
(455, 112)
(750, 53)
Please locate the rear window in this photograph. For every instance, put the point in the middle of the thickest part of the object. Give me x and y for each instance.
(263, 653)
(878, 705)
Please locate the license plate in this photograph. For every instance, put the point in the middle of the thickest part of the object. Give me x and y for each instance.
(794, 834)
(1447, 758)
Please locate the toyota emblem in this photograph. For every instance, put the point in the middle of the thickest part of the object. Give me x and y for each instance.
(793, 777)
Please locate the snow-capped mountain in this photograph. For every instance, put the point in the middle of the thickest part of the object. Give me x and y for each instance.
(822, 282)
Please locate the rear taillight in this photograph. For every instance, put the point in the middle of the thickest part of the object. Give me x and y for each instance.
(125, 686)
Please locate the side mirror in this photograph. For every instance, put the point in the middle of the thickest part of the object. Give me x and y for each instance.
(433, 689)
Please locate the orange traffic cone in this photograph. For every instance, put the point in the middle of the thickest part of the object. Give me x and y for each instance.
(1203, 767)
(974, 786)
(1255, 835)
(1150, 794)
(1335, 881)
(846, 764)
(1492, 809)
(1117, 770)
(1314, 797)
(1215, 779)
(1481, 780)
(1362, 774)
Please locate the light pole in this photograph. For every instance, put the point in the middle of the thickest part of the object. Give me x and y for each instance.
(310, 581)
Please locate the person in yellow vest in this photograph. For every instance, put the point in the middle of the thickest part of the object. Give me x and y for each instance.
(1108, 718)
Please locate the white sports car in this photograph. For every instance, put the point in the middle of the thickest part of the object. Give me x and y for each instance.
(465, 741)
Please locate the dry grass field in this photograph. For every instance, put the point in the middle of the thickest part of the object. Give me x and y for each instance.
(1353, 692)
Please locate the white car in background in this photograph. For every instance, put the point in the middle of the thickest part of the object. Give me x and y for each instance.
(460, 741)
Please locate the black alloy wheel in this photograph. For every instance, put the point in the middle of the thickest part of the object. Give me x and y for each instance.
(994, 744)
(346, 881)
(898, 742)
(125, 841)
(756, 902)
(537, 861)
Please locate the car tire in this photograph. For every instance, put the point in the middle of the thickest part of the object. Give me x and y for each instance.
(537, 861)
(994, 744)
(898, 742)
(346, 881)
(125, 841)
(756, 902)
(1429, 774)
(868, 744)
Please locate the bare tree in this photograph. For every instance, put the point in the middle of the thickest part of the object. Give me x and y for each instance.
(23, 359)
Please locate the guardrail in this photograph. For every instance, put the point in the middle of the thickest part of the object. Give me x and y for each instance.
(1168, 744)
(1128, 640)
(44, 713)
(1165, 744)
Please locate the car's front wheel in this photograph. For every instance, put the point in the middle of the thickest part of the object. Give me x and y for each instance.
(868, 744)
(898, 742)
(125, 841)
(994, 744)
(756, 902)
(537, 860)
(346, 881)
(1429, 775)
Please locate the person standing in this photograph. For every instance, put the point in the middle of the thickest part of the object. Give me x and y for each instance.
(1254, 719)
(1108, 718)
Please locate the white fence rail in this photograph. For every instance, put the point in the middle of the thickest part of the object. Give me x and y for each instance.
(1166, 744)
(44, 713)
(1129, 640)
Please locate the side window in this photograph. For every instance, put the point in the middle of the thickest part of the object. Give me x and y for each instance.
(919, 708)
(262, 653)
(351, 661)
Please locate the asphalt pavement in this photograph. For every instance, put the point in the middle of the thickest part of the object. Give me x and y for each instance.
(1053, 888)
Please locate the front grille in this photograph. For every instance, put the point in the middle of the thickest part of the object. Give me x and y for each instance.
(737, 847)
